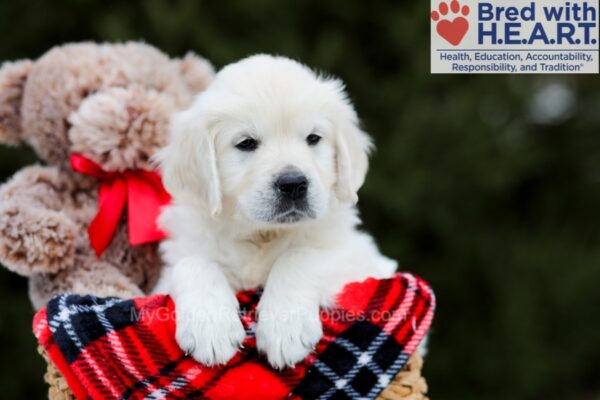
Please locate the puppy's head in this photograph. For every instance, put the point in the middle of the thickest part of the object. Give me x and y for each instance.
(269, 142)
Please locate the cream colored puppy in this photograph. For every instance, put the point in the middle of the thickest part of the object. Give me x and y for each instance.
(264, 169)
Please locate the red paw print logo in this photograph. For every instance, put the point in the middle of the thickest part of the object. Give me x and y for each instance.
(453, 30)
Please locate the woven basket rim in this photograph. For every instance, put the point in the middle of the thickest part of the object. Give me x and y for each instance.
(409, 384)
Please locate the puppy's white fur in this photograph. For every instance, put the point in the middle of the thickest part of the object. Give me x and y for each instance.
(223, 226)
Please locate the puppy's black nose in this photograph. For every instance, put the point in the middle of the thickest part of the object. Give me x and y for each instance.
(292, 185)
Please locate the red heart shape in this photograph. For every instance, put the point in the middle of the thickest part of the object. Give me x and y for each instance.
(111, 348)
(453, 31)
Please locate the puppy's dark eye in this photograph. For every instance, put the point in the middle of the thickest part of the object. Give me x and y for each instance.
(247, 144)
(313, 139)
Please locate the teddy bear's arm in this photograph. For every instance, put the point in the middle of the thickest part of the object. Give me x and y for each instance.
(36, 236)
(89, 276)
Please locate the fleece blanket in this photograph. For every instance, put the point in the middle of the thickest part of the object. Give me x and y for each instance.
(114, 348)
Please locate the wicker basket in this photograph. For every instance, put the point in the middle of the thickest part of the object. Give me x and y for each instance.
(407, 385)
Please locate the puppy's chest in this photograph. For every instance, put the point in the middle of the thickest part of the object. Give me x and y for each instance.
(249, 267)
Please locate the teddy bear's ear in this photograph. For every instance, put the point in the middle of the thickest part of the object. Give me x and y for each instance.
(197, 72)
(13, 76)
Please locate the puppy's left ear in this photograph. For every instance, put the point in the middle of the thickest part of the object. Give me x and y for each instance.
(188, 162)
(353, 147)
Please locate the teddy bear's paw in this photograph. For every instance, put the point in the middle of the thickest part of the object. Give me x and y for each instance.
(212, 335)
(287, 332)
(35, 240)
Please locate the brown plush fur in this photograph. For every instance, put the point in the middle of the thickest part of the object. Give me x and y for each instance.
(111, 103)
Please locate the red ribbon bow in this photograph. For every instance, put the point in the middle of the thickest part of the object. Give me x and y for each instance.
(142, 192)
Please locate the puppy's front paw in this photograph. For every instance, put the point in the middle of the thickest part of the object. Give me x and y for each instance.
(212, 335)
(286, 332)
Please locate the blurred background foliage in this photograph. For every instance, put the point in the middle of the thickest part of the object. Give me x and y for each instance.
(487, 186)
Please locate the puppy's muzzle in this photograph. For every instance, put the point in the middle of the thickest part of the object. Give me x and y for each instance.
(292, 186)
(292, 204)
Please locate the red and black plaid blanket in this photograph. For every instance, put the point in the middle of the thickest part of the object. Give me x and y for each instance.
(113, 348)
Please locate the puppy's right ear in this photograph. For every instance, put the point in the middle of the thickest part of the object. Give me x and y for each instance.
(13, 76)
(188, 162)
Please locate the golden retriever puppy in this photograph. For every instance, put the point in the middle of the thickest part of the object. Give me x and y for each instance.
(264, 168)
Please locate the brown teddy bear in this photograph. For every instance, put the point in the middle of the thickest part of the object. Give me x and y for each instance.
(96, 114)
